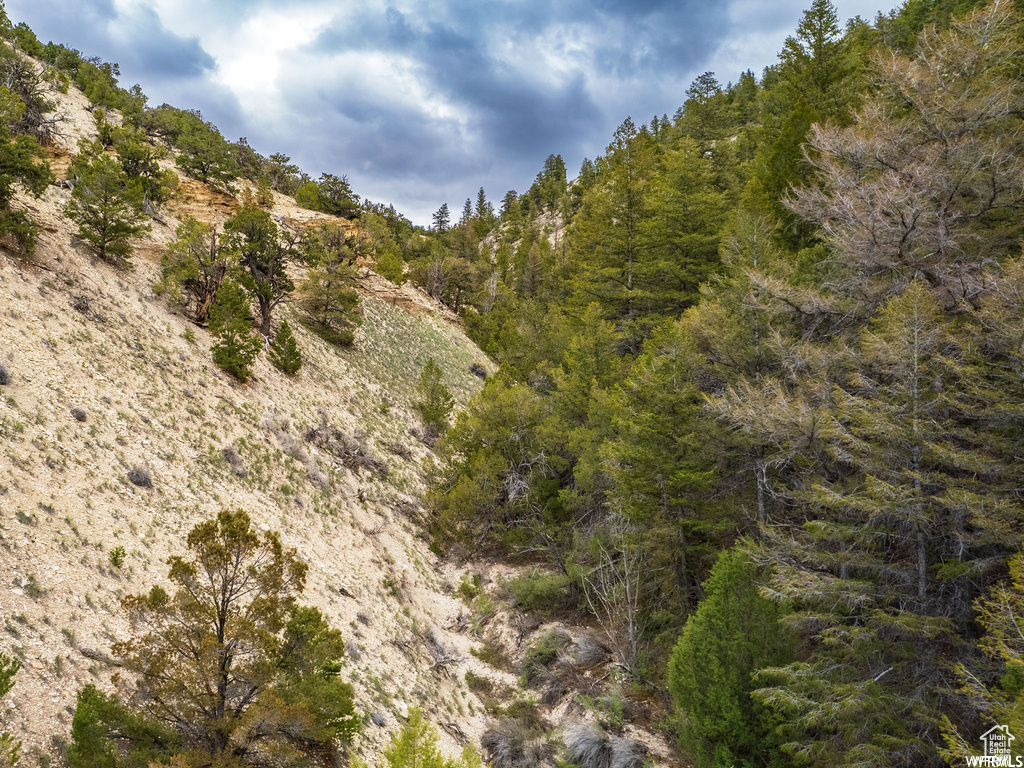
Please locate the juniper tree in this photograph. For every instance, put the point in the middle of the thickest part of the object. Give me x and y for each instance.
(263, 253)
(196, 263)
(435, 401)
(21, 162)
(733, 634)
(105, 206)
(329, 295)
(227, 668)
(284, 350)
(236, 347)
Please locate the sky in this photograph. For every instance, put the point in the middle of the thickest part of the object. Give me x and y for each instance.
(422, 102)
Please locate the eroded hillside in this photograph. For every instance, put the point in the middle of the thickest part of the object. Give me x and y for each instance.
(106, 378)
(118, 434)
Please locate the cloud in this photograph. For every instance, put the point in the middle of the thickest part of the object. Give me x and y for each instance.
(422, 101)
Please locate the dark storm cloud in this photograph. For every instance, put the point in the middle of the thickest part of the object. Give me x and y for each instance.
(512, 118)
(170, 67)
(422, 101)
(137, 40)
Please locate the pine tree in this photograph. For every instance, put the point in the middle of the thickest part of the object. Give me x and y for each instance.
(105, 207)
(284, 350)
(442, 219)
(236, 347)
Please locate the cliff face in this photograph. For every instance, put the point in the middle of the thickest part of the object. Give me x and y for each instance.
(106, 377)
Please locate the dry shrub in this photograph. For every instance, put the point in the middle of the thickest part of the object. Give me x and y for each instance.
(234, 460)
(351, 450)
(140, 476)
(588, 746)
(512, 743)
(590, 651)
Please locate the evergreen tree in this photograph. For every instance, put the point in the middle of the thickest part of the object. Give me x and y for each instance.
(926, 182)
(230, 664)
(105, 207)
(284, 350)
(335, 196)
(680, 234)
(236, 348)
(441, 219)
(816, 62)
(204, 153)
(196, 263)
(328, 296)
(21, 162)
(703, 113)
(605, 237)
(734, 633)
(435, 401)
(661, 462)
(415, 746)
(264, 255)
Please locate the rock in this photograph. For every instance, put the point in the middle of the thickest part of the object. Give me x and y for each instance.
(5, 376)
(402, 710)
(79, 414)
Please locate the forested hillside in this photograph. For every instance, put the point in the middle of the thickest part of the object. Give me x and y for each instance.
(760, 399)
(747, 474)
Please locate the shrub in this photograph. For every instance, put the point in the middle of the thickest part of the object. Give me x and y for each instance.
(140, 476)
(117, 556)
(491, 651)
(234, 460)
(415, 746)
(469, 586)
(541, 654)
(9, 748)
(478, 684)
(514, 742)
(588, 746)
(284, 350)
(542, 592)
(589, 650)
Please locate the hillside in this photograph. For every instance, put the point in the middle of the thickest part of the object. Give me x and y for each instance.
(106, 377)
(120, 434)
